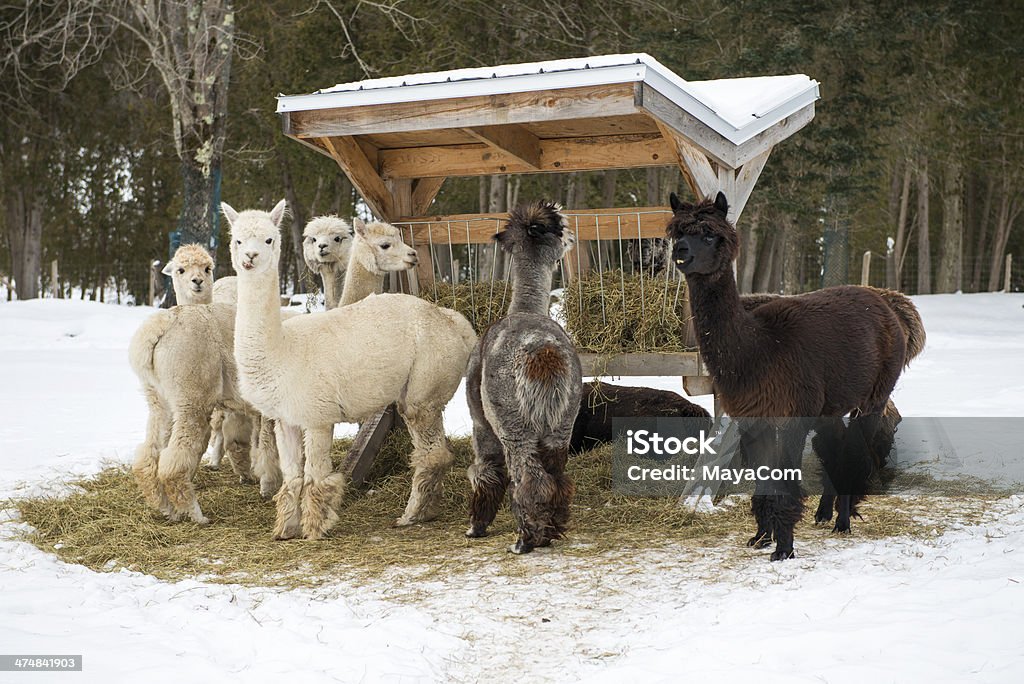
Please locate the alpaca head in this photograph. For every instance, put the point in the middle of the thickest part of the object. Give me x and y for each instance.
(704, 242)
(537, 233)
(255, 238)
(191, 272)
(379, 248)
(326, 242)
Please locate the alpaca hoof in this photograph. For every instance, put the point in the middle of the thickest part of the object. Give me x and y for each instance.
(759, 541)
(520, 547)
(778, 554)
(287, 533)
(201, 520)
(404, 521)
(841, 529)
(821, 517)
(212, 466)
(476, 531)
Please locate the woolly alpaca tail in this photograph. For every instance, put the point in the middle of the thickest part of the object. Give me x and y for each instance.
(910, 321)
(143, 345)
(544, 384)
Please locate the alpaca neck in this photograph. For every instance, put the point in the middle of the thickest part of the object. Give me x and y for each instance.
(360, 282)
(259, 339)
(330, 278)
(725, 332)
(531, 288)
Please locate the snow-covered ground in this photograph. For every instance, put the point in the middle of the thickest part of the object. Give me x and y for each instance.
(948, 608)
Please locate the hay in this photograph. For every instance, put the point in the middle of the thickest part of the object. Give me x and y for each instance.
(105, 525)
(482, 303)
(613, 312)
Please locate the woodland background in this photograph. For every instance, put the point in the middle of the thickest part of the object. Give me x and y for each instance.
(123, 120)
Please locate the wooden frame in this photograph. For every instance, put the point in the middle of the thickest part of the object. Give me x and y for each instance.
(398, 154)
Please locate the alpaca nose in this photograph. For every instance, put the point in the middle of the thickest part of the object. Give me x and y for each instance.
(197, 281)
(252, 255)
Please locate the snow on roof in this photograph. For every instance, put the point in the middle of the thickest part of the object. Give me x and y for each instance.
(737, 108)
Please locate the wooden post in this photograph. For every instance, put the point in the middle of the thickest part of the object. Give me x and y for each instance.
(154, 273)
(1009, 270)
(865, 269)
(54, 279)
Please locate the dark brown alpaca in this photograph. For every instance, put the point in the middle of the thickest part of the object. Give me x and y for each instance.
(824, 354)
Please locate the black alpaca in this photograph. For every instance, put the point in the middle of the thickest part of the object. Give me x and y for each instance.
(601, 402)
(824, 354)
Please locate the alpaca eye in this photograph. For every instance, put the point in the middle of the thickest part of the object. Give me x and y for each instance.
(337, 238)
(270, 240)
(312, 240)
(207, 269)
(386, 245)
(238, 242)
(709, 239)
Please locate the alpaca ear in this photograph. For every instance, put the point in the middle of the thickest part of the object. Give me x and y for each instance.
(501, 238)
(359, 226)
(721, 204)
(230, 214)
(168, 269)
(673, 201)
(277, 213)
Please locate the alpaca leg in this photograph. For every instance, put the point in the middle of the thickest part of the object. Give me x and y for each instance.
(827, 443)
(533, 494)
(754, 443)
(322, 489)
(554, 457)
(265, 461)
(237, 437)
(488, 477)
(431, 460)
(855, 466)
(289, 515)
(190, 434)
(147, 454)
(786, 507)
(216, 448)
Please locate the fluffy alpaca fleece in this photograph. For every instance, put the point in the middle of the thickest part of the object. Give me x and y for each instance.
(377, 249)
(344, 365)
(191, 271)
(523, 388)
(820, 355)
(225, 290)
(326, 242)
(184, 361)
(601, 402)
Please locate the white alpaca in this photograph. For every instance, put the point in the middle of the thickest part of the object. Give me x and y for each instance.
(191, 271)
(326, 242)
(183, 357)
(344, 365)
(225, 290)
(377, 249)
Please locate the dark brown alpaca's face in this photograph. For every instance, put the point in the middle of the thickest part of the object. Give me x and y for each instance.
(704, 242)
(538, 232)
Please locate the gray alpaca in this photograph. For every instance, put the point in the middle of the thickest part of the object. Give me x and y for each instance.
(523, 388)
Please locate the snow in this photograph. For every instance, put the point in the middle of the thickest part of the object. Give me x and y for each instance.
(941, 609)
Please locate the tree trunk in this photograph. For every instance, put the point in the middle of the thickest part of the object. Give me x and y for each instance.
(1009, 209)
(894, 264)
(299, 218)
(980, 245)
(24, 223)
(748, 250)
(950, 272)
(924, 253)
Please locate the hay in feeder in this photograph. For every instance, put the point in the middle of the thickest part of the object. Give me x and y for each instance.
(482, 303)
(105, 525)
(614, 312)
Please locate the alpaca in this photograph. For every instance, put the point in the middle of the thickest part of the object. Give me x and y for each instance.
(600, 402)
(343, 365)
(377, 249)
(184, 360)
(523, 388)
(830, 429)
(822, 354)
(326, 241)
(191, 271)
(225, 290)
(648, 255)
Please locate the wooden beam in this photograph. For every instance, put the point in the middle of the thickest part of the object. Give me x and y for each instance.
(485, 110)
(314, 144)
(556, 155)
(352, 160)
(588, 224)
(766, 140)
(697, 170)
(424, 190)
(642, 364)
(513, 140)
(695, 131)
(367, 443)
(744, 183)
